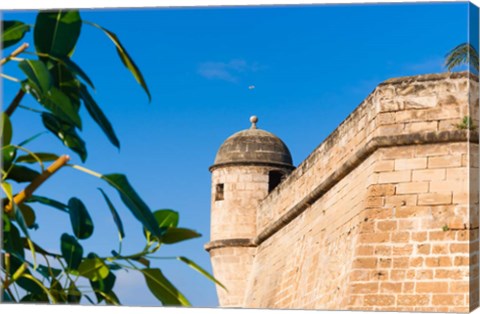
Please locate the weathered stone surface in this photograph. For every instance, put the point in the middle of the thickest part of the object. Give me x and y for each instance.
(253, 146)
(381, 216)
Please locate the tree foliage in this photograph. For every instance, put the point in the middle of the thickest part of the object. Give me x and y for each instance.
(462, 54)
(61, 88)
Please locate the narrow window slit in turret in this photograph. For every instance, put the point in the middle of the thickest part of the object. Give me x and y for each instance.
(274, 179)
(219, 192)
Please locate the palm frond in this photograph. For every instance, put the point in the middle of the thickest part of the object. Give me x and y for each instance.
(462, 54)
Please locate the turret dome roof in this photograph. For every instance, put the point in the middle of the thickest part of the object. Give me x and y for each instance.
(253, 146)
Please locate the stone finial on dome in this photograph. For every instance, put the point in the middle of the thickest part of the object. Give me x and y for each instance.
(253, 120)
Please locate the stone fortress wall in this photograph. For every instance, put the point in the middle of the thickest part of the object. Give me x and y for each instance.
(383, 215)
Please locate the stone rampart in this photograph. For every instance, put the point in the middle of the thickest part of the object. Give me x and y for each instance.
(379, 216)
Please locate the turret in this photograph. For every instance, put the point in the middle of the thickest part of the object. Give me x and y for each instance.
(248, 165)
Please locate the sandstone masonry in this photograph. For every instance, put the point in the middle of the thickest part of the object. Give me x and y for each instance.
(383, 215)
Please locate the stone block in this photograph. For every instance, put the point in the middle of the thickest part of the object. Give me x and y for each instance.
(386, 226)
(362, 288)
(448, 161)
(381, 189)
(453, 299)
(432, 287)
(379, 300)
(413, 300)
(394, 176)
(428, 175)
(428, 126)
(384, 165)
(412, 187)
(412, 211)
(439, 198)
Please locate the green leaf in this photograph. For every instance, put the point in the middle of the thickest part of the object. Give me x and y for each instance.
(19, 271)
(23, 226)
(66, 133)
(89, 299)
(66, 81)
(98, 116)
(61, 106)
(38, 284)
(8, 153)
(462, 54)
(13, 243)
(116, 217)
(48, 201)
(7, 190)
(93, 269)
(6, 130)
(7, 297)
(32, 286)
(202, 271)
(35, 298)
(71, 250)
(74, 68)
(174, 235)
(103, 285)
(29, 159)
(82, 223)
(166, 218)
(125, 57)
(111, 298)
(37, 74)
(142, 260)
(6, 223)
(20, 219)
(57, 291)
(57, 32)
(38, 249)
(114, 267)
(30, 139)
(133, 201)
(28, 214)
(13, 32)
(22, 174)
(74, 295)
(162, 289)
(15, 260)
(47, 272)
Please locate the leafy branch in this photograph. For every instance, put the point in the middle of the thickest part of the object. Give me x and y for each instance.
(462, 54)
(60, 87)
(39, 180)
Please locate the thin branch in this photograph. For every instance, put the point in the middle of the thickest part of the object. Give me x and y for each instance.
(65, 270)
(7, 269)
(163, 257)
(59, 260)
(15, 53)
(18, 273)
(124, 257)
(30, 109)
(11, 295)
(39, 250)
(17, 59)
(15, 102)
(88, 171)
(21, 93)
(39, 180)
(11, 78)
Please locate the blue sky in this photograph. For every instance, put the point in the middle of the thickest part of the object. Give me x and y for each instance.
(310, 65)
